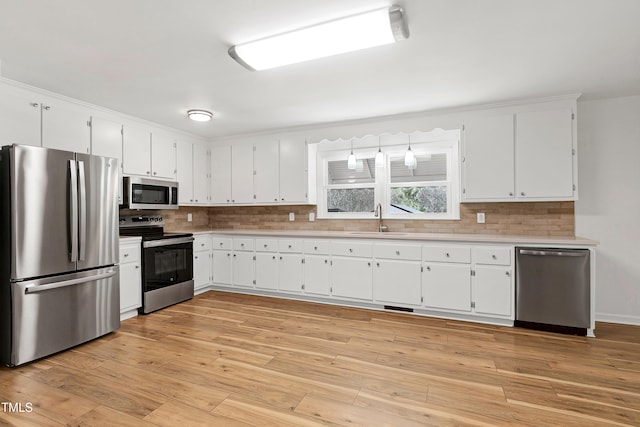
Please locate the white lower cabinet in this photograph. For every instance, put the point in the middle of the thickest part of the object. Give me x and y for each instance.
(266, 264)
(221, 255)
(290, 273)
(446, 278)
(396, 274)
(351, 277)
(317, 274)
(202, 261)
(492, 282)
(130, 278)
(242, 262)
(447, 286)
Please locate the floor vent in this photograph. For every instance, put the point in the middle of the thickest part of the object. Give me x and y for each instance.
(392, 307)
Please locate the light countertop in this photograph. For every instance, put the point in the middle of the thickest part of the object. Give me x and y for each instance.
(434, 237)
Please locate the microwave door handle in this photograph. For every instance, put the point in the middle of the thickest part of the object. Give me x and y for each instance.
(82, 190)
(73, 210)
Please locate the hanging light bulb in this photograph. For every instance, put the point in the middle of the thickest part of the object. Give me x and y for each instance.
(379, 156)
(410, 158)
(351, 160)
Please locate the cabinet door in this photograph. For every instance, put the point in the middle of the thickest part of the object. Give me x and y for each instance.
(351, 278)
(317, 274)
(493, 291)
(242, 173)
(19, 116)
(130, 286)
(293, 171)
(544, 154)
(106, 141)
(136, 150)
(222, 267)
(266, 177)
(200, 174)
(243, 269)
(267, 270)
(488, 163)
(184, 173)
(221, 175)
(201, 269)
(397, 282)
(290, 272)
(447, 286)
(65, 126)
(163, 155)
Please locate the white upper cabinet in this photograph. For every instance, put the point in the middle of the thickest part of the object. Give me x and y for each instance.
(544, 154)
(148, 152)
(106, 141)
(31, 118)
(184, 164)
(526, 153)
(221, 174)
(488, 168)
(19, 116)
(266, 163)
(242, 174)
(192, 161)
(136, 150)
(163, 155)
(293, 171)
(65, 126)
(201, 194)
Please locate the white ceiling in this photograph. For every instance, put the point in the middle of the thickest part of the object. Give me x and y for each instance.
(156, 59)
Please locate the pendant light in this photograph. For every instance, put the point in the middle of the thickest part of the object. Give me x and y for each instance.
(410, 160)
(351, 160)
(379, 155)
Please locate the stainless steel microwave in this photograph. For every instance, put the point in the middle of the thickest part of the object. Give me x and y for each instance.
(145, 193)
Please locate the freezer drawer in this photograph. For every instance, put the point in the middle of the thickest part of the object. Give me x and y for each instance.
(553, 288)
(56, 313)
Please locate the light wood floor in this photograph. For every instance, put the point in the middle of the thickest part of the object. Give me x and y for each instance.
(228, 359)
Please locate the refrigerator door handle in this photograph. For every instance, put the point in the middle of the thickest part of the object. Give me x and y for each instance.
(73, 210)
(32, 289)
(82, 190)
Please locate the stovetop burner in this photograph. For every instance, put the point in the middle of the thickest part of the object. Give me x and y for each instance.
(149, 227)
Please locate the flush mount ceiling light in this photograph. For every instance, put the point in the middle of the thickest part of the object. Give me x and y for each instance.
(361, 31)
(200, 115)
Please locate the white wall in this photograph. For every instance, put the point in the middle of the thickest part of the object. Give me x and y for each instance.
(609, 206)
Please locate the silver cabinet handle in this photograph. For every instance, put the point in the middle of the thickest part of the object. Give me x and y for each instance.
(126, 255)
(551, 253)
(350, 250)
(195, 257)
(511, 194)
(428, 268)
(397, 252)
(377, 264)
(522, 193)
(494, 257)
(447, 255)
(34, 104)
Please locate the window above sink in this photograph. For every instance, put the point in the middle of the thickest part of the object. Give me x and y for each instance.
(428, 190)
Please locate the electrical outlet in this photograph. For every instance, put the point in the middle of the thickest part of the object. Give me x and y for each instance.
(292, 216)
(480, 217)
(189, 217)
(312, 216)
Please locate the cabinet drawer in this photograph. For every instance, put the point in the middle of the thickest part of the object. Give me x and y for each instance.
(201, 243)
(266, 245)
(129, 253)
(320, 247)
(221, 243)
(242, 244)
(446, 254)
(290, 245)
(492, 255)
(397, 251)
(358, 249)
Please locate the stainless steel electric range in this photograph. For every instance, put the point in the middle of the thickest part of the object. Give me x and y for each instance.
(167, 261)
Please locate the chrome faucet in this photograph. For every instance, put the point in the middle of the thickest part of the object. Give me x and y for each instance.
(378, 214)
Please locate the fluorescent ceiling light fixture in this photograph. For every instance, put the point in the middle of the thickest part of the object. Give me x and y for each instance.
(375, 28)
(200, 115)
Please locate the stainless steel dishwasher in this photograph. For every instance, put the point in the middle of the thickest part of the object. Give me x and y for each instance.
(553, 289)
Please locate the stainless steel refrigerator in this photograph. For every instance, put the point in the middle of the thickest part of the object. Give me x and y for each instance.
(59, 282)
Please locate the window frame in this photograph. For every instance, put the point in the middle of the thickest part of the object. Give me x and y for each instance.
(442, 142)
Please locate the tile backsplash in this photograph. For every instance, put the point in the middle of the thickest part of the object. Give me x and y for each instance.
(526, 218)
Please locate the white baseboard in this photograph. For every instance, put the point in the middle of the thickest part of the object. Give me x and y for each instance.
(618, 318)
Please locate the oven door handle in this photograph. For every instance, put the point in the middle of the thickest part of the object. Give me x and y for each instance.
(166, 242)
